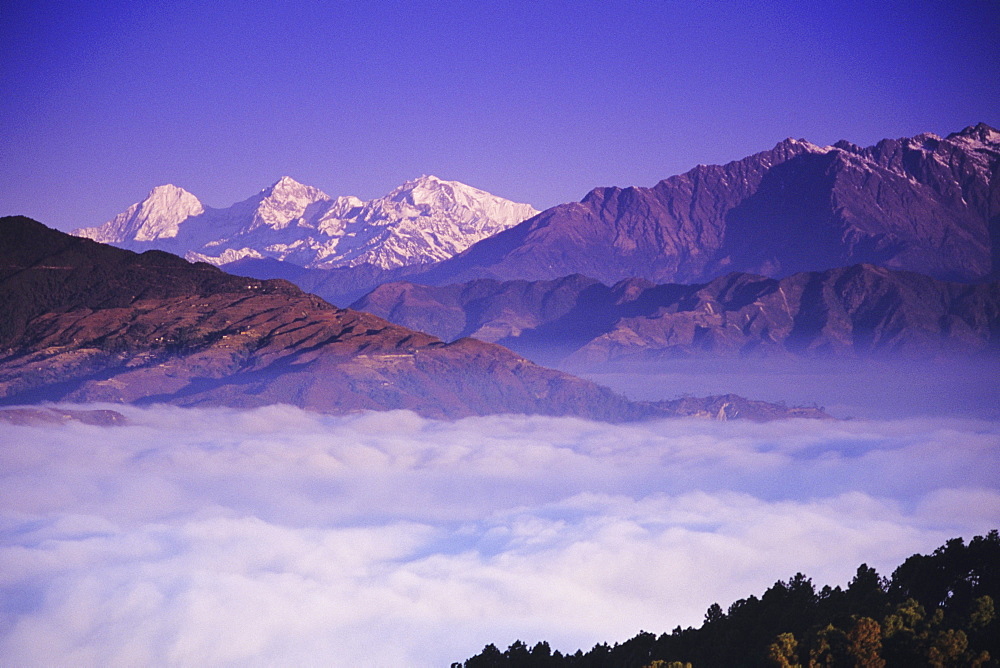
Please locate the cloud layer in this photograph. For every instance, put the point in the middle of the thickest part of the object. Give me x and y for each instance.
(278, 536)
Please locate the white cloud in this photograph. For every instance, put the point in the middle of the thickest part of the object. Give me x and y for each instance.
(221, 537)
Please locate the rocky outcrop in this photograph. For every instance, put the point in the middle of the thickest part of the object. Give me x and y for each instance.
(859, 311)
(81, 321)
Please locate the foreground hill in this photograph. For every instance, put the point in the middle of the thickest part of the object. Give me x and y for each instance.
(855, 311)
(82, 321)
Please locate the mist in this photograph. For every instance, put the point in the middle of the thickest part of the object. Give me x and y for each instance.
(281, 536)
(882, 388)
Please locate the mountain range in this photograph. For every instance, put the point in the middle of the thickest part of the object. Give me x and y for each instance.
(84, 321)
(801, 251)
(926, 204)
(424, 220)
(858, 311)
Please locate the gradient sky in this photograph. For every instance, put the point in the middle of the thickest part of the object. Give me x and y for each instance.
(537, 102)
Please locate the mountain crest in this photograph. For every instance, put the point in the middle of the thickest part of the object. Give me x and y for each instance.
(980, 132)
(799, 145)
(287, 186)
(424, 220)
(159, 216)
(429, 190)
(922, 203)
(286, 203)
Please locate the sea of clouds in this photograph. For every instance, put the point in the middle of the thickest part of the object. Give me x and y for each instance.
(282, 537)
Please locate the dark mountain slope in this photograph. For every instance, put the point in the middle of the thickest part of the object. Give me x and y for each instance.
(87, 322)
(922, 204)
(858, 311)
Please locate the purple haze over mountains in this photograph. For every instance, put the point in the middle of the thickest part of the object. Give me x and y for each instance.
(536, 103)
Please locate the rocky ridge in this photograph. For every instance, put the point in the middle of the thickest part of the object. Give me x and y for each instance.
(30, 416)
(927, 204)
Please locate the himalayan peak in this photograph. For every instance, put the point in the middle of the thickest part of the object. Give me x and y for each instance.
(424, 220)
(157, 217)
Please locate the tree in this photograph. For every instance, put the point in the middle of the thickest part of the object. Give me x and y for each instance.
(866, 594)
(830, 648)
(948, 649)
(490, 657)
(865, 639)
(714, 614)
(783, 652)
(982, 614)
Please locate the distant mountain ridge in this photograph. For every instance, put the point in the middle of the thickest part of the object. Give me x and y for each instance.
(926, 204)
(83, 321)
(860, 311)
(424, 220)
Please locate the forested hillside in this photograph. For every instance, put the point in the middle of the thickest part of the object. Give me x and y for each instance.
(936, 610)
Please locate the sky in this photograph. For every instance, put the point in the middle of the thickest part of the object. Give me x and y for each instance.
(537, 102)
(279, 536)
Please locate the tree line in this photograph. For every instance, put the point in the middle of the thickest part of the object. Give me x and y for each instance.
(936, 610)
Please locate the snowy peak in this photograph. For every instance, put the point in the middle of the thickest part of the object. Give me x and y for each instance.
(286, 203)
(980, 133)
(423, 220)
(434, 192)
(288, 188)
(429, 190)
(801, 144)
(980, 140)
(159, 216)
(470, 204)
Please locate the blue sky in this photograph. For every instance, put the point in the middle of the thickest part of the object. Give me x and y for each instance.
(537, 102)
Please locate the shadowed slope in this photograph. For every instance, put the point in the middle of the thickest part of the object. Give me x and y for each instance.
(856, 311)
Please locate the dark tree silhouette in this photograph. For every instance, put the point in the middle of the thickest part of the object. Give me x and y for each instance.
(936, 610)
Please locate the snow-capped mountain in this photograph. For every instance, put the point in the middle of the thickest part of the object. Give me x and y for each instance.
(157, 217)
(424, 220)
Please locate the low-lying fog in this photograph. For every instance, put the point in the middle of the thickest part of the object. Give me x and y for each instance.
(279, 536)
(886, 388)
